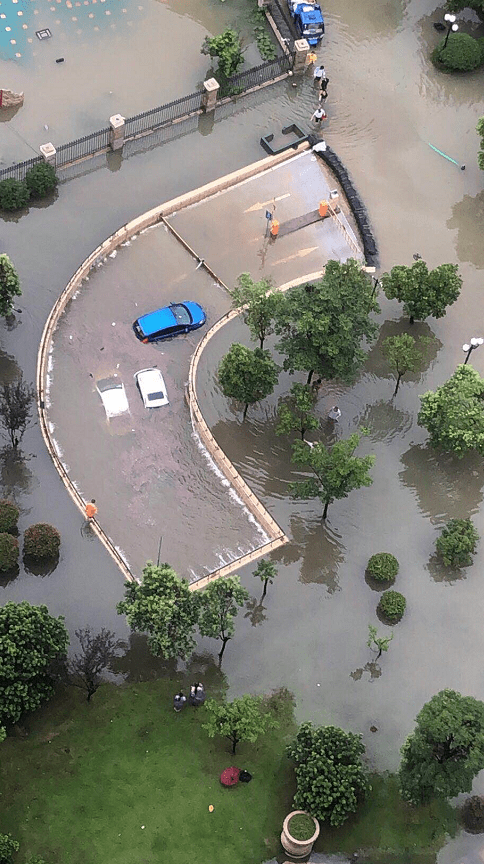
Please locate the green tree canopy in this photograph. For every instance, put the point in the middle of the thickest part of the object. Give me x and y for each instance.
(378, 643)
(32, 645)
(423, 292)
(454, 413)
(336, 470)
(8, 848)
(163, 606)
(403, 356)
(296, 414)
(330, 780)
(219, 603)
(322, 325)
(243, 719)
(266, 571)
(246, 375)
(459, 5)
(9, 285)
(228, 48)
(480, 131)
(260, 302)
(446, 750)
(457, 543)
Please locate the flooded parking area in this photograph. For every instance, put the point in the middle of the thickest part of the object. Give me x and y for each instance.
(153, 484)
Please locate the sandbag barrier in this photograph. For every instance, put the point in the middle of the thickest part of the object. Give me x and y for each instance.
(357, 207)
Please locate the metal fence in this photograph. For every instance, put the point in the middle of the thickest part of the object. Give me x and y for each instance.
(156, 118)
(18, 172)
(260, 74)
(82, 147)
(151, 120)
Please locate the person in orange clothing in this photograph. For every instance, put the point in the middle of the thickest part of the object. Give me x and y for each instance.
(274, 228)
(91, 509)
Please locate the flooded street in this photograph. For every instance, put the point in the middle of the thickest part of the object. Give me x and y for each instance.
(386, 104)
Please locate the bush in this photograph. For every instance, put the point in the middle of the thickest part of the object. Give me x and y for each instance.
(473, 814)
(383, 567)
(14, 194)
(41, 179)
(8, 555)
(462, 54)
(41, 541)
(9, 514)
(392, 606)
(301, 826)
(457, 543)
(8, 847)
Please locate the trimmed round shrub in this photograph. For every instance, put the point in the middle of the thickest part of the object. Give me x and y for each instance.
(383, 567)
(14, 194)
(41, 541)
(301, 826)
(462, 53)
(9, 514)
(457, 543)
(41, 179)
(392, 606)
(8, 553)
(473, 814)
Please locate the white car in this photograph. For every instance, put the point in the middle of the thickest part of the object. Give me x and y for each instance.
(152, 387)
(113, 395)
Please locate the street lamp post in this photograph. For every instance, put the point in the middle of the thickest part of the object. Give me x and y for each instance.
(469, 348)
(452, 27)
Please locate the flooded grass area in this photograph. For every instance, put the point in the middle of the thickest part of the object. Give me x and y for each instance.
(154, 484)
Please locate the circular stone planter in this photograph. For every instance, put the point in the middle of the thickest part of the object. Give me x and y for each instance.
(298, 848)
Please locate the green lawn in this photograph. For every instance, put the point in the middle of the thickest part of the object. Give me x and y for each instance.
(81, 786)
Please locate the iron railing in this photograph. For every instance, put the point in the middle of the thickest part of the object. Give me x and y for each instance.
(82, 147)
(18, 172)
(156, 117)
(260, 74)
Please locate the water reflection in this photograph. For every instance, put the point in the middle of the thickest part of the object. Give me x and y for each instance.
(15, 476)
(467, 219)
(9, 576)
(256, 611)
(446, 488)
(40, 568)
(376, 362)
(385, 422)
(372, 668)
(138, 663)
(321, 552)
(441, 573)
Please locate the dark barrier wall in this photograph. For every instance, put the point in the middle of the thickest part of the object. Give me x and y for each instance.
(357, 207)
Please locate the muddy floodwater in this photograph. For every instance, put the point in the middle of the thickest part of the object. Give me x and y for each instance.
(386, 104)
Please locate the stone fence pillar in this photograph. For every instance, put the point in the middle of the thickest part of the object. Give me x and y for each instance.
(49, 152)
(301, 47)
(210, 94)
(116, 132)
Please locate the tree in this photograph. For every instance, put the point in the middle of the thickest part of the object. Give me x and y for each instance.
(446, 750)
(297, 413)
(97, 651)
(480, 131)
(218, 608)
(454, 413)
(403, 355)
(8, 848)
(260, 303)
(228, 48)
(41, 179)
(336, 471)
(15, 408)
(330, 780)
(462, 53)
(243, 719)
(378, 643)
(457, 543)
(267, 572)
(32, 645)
(163, 606)
(9, 285)
(421, 291)
(323, 324)
(458, 5)
(14, 194)
(246, 375)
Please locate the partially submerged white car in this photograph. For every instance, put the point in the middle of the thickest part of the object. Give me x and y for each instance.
(152, 387)
(113, 395)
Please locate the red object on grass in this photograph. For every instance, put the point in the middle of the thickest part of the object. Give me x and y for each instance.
(230, 776)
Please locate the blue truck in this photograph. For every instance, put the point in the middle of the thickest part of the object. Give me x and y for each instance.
(308, 19)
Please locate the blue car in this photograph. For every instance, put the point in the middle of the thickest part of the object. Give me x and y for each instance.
(170, 321)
